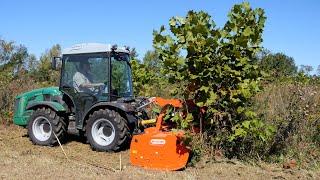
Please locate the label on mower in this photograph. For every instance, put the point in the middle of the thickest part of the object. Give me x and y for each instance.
(158, 141)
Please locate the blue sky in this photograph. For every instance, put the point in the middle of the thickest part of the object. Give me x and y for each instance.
(292, 27)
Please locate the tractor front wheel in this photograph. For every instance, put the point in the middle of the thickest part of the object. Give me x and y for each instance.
(45, 126)
(107, 130)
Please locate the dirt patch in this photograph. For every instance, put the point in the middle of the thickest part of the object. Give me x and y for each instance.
(20, 159)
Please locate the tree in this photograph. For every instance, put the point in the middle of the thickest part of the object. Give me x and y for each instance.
(306, 69)
(152, 61)
(44, 73)
(133, 53)
(13, 60)
(12, 57)
(277, 65)
(148, 79)
(215, 68)
(32, 63)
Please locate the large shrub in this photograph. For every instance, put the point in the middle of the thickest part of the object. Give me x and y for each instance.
(215, 68)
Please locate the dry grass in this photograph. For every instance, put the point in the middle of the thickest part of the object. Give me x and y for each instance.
(8, 92)
(293, 109)
(19, 159)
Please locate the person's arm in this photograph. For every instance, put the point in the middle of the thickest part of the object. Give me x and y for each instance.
(81, 81)
(78, 80)
(90, 85)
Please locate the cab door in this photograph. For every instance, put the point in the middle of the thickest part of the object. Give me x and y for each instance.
(85, 85)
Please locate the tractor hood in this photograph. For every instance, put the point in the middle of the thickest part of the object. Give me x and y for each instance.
(21, 113)
(49, 90)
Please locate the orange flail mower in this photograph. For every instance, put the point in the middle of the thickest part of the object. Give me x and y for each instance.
(159, 147)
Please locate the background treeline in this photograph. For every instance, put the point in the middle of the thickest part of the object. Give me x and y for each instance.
(259, 105)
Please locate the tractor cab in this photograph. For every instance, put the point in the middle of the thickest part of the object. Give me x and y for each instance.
(96, 70)
(93, 73)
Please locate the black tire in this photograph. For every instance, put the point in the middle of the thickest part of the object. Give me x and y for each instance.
(56, 122)
(118, 125)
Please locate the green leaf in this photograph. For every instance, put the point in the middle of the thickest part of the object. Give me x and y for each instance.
(162, 28)
(172, 22)
(239, 132)
(200, 104)
(246, 124)
(156, 110)
(246, 5)
(240, 109)
(212, 98)
(204, 88)
(181, 20)
(176, 118)
(247, 31)
(189, 117)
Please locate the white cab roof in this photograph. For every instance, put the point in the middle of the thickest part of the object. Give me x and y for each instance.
(91, 48)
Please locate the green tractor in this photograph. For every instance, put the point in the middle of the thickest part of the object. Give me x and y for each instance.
(94, 99)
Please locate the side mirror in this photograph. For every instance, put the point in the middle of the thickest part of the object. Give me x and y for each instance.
(54, 62)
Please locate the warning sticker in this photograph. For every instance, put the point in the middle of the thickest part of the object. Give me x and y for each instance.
(158, 141)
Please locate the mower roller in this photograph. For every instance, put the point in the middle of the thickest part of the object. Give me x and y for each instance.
(159, 147)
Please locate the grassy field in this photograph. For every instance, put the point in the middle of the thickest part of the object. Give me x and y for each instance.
(19, 159)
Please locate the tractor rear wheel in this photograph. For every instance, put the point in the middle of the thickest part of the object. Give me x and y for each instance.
(107, 130)
(45, 126)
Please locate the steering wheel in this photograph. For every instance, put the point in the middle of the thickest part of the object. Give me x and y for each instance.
(99, 89)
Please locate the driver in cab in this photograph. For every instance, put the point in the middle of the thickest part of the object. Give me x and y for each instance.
(82, 79)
